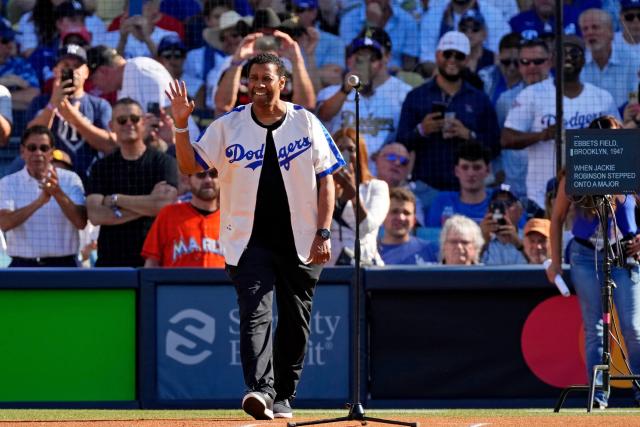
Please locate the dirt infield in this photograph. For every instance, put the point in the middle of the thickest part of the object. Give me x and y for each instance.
(582, 420)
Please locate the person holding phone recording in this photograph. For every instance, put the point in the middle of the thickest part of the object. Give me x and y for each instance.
(79, 121)
(368, 58)
(422, 120)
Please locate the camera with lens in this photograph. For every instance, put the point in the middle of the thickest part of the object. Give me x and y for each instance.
(625, 259)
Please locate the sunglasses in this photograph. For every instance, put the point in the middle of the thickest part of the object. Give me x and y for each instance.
(474, 28)
(629, 17)
(508, 62)
(42, 147)
(404, 161)
(121, 120)
(459, 56)
(211, 173)
(173, 55)
(537, 61)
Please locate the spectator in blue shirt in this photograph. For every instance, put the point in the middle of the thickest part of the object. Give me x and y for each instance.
(398, 245)
(472, 201)
(539, 21)
(504, 74)
(399, 24)
(15, 72)
(445, 112)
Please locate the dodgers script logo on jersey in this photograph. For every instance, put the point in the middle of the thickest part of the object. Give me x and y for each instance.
(286, 153)
(576, 121)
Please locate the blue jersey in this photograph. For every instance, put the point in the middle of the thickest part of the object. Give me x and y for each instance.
(415, 252)
(448, 203)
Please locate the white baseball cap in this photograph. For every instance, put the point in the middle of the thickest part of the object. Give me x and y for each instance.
(454, 40)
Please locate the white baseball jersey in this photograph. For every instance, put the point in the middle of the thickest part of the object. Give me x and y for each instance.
(535, 109)
(234, 144)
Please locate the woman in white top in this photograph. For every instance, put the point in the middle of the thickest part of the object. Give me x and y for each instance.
(374, 204)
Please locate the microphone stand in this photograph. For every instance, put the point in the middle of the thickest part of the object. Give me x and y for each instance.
(356, 410)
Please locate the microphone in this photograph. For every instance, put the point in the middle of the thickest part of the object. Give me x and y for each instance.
(354, 81)
(558, 280)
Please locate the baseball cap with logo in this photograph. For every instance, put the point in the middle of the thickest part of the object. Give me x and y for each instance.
(629, 4)
(454, 40)
(364, 43)
(70, 8)
(473, 15)
(171, 42)
(72, 51)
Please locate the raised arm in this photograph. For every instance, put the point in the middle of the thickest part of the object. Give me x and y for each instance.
(182, 107)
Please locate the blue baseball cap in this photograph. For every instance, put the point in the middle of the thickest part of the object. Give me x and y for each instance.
(473, 15)
(305, 4)
(6, 32)
(171, 42)
(629, 4)
(362, 43)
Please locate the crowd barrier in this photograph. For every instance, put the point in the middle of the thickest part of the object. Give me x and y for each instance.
(163, 338)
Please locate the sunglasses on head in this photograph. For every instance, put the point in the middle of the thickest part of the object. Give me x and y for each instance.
(630, 16)
(459, 56)
(404, 161)
(508, 62)
(121, 120)
(537, 61)
(211, 173)
(42, 147)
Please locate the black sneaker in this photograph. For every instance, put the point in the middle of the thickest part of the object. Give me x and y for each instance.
(259, 405)
(282, 409)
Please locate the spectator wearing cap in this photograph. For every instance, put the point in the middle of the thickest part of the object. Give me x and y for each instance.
(531, 122)
(382, 94)
(534, 64)
(70, 25)
(16, 74)
(443, 113)
(473, 25)
(536, 243)
(35, 27)
(472, 200)
(327, 49)
(398, 245)
(152, 15)
(393, 164)
(41, 207)
(629, 35)
(139, 35)
(232, 83)
(442, 17)
(505, 73)
(606, 66)
(221, 40)
(539, 21)
(398, 23)
(503, 245)
(172, 54)
(79, 121)
(195, 26)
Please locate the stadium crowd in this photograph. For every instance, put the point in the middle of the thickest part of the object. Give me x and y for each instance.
(457, 120)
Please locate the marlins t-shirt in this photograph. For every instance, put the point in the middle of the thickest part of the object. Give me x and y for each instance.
(535, 109)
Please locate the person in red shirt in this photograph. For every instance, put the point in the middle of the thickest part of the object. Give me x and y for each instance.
(187, 234)
(151, 11)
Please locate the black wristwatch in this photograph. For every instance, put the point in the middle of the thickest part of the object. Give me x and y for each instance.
(323, 233)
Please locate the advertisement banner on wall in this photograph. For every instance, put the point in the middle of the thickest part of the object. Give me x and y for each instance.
(198, 344)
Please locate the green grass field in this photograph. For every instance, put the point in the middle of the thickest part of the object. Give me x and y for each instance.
(96, 415)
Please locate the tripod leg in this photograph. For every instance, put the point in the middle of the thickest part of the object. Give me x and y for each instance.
(393, 422)
(325, 421)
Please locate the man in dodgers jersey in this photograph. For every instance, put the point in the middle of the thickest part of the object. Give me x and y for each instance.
(531, 120)
(275, 161)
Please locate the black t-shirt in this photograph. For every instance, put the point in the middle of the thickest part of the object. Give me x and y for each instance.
(272, 218)
(120, 245)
